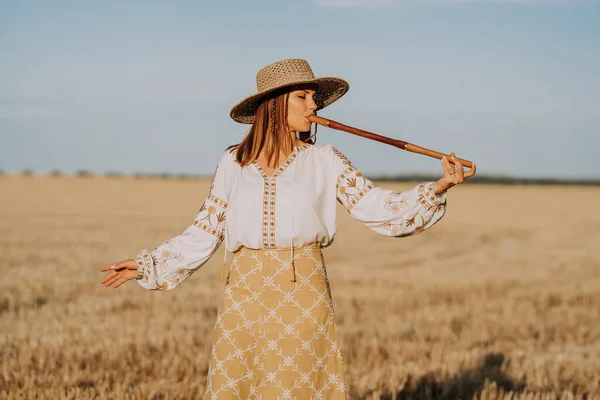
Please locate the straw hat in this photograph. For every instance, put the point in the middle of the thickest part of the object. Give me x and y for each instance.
(285, 73)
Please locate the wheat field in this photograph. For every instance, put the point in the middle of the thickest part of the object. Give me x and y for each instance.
(500, 300)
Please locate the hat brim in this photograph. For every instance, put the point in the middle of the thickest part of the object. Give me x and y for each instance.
(328, 90)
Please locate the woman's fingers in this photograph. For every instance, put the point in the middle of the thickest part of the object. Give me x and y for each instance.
(110, 267)
(118, 278)
(122, 280)
(458, 168)
(121, 272)
(470, 173)
(109, 277)
(450, 172)
(125, 264)
(114, 267)
(454, 171)
(109, 280)
(449, 169)
(446, 165)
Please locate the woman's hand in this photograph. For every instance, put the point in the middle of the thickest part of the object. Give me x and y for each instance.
(121, 273)
(454, 174)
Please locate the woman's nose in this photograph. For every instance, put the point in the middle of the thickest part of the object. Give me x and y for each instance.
(312, 105)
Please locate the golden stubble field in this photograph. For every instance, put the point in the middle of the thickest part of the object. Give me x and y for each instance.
(501, 299)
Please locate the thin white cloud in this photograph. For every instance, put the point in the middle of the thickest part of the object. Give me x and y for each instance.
(516, 1)
(354, 3)
(391, 3)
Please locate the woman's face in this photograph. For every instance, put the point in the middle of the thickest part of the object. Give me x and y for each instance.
(301, 103)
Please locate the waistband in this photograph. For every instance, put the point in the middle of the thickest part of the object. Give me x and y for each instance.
(281, 251)
(311, 246)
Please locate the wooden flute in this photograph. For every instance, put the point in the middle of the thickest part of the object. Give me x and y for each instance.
(384, 139)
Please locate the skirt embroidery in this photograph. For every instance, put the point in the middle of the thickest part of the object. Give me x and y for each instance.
(275, 338)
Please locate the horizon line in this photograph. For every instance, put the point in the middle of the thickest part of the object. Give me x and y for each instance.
(406, 177)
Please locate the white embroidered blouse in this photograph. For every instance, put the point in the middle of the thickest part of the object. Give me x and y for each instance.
(293, 207)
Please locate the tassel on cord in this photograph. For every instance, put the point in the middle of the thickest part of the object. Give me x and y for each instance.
(224, 265)
(224, 270)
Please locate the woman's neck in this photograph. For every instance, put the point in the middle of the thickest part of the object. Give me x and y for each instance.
(283, 155)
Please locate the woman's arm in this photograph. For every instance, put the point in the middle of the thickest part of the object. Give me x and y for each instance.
(172, 262)
(387, 212)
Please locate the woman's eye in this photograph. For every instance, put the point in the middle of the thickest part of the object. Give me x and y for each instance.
(302, 97)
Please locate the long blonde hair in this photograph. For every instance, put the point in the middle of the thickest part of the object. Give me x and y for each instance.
(269, 132)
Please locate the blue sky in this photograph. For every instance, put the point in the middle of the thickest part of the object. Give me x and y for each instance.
(146, 86)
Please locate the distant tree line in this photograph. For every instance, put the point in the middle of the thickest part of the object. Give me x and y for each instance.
(83, 173)
(480, 179)
(494, 179)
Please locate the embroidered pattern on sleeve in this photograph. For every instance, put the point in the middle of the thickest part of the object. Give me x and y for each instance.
(212, 182)
(341, 156)
(395, 202)
(351, 186)
(211, 216)
(160, 258)
(397, 229)
(175, 279)
(165, 252)
(145, 261)
(428, 198)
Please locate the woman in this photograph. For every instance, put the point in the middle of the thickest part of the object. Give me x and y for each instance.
(273, 202)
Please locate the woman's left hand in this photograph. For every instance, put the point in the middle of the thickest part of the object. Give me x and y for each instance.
(120, 273)
(454, 174)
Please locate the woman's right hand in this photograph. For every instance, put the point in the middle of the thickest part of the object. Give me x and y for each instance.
(121, 272)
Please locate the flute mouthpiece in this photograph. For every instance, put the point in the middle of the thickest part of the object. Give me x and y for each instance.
(318, 120)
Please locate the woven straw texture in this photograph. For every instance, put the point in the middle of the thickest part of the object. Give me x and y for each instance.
(281, 74)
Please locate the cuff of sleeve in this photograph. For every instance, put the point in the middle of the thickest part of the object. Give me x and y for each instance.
(427, 197)
(145, 262)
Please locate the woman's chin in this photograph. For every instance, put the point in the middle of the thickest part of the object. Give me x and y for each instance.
(301, 127)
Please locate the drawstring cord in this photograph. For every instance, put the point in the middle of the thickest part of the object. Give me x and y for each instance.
(292, 261)
(293, 266)
(226, 236)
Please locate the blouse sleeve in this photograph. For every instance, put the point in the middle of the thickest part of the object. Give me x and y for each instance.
(175, 260)
(386, 212)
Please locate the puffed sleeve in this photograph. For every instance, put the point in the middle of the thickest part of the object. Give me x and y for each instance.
(386, 212)
(175, 260)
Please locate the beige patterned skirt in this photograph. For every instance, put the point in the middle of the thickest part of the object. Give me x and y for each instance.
(275, 336)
